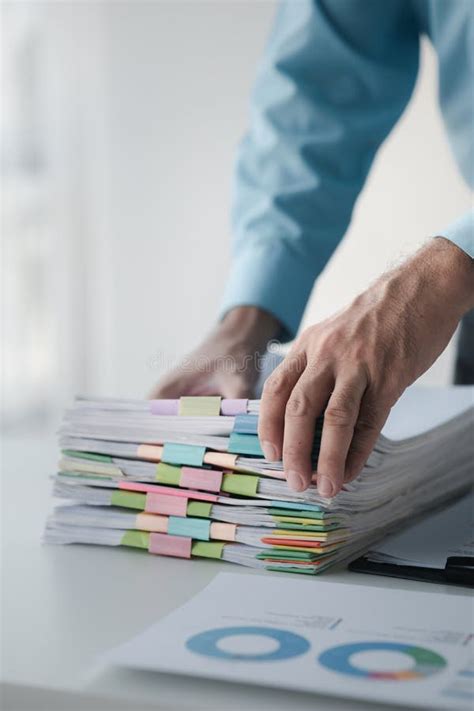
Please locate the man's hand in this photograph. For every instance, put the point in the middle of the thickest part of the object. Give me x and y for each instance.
(356, 364)
(226, 363)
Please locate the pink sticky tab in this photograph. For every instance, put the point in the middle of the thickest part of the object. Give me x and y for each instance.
(232, 407)
(206, 479)
(163, 544)
(167, 505)
(164, 407)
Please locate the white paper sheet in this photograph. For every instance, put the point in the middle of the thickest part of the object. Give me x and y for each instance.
(429, 543)
(342, 640)
(420, 409)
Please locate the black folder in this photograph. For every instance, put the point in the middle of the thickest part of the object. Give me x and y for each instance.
(459, 570)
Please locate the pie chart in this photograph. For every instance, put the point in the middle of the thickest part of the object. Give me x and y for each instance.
(251, 644)
(418, 662)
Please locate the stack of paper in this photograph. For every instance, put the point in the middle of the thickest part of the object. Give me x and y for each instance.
(187, 478)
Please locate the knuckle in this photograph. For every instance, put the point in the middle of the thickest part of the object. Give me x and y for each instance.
(338, 416)
(293, 452)
(298, 405)
(275, 385)
(368, 422)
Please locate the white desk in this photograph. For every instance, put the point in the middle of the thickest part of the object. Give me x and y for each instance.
(64, 606)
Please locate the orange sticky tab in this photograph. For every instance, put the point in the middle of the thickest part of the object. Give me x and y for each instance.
(223, 531)
(151, 522)
(221, 459)
(176, 546)
(152, 452)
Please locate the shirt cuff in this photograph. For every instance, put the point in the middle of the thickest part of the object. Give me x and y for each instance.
(461, 233)
(273, 277)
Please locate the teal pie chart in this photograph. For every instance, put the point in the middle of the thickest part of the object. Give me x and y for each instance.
(250, 644)
(420, 662)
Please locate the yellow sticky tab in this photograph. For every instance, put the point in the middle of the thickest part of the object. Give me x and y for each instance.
(199, 406)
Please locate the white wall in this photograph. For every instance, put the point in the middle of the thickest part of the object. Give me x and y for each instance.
(170, 107)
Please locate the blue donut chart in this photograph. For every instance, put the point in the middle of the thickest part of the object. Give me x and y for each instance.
(290, 644)
(421, 662)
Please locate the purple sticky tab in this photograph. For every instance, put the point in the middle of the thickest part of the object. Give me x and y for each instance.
(230, 408)
(164, 407)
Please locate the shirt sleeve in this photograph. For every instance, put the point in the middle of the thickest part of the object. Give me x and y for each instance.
(461, 232)
(334, 78)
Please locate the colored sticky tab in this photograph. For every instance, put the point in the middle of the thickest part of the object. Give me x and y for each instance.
(244, 444)
(87, 455)
(197, 528)
(190, 454)
(164, 407)
(205, 479)
(128, 499)
(200, 406)
(168, 474)
(246, 424)
(232, 407)
(223, 531)
(167, 505)
(135, 539)
(199, 509)
(211, 549)
(152, 452)
(167, 491)
(242, 484)
(222, 460)
(164, 544)
(151, 522)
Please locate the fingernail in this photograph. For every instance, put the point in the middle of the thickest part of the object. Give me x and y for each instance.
(295, 481)
(325, 486)
(270, 451)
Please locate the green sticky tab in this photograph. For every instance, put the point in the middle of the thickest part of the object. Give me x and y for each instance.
(136, 539)
(168, 474)
(305, 570)
(128, 499)
(306, 527)
(200, 406)
(242, 484)
(198, 528)
(85, 476)
(213, 549)
(87, 455)
(244, 444)
(199, 509)
(189, 454)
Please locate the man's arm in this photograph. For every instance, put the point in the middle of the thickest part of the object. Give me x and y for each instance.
(335, 77)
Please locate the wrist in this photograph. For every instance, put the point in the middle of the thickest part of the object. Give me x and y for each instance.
(249, 327)
(451, 271)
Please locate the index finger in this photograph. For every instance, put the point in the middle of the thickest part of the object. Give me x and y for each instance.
(276, 391)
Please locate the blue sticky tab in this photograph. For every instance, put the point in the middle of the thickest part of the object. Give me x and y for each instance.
(197, 528)
(244, 444)
(246, 424)
(293, 505)
(189, 454)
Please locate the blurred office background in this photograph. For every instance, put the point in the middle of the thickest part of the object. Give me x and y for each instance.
(119, 125)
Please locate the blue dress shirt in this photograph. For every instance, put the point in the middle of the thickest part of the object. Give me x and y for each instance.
(335, 77)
